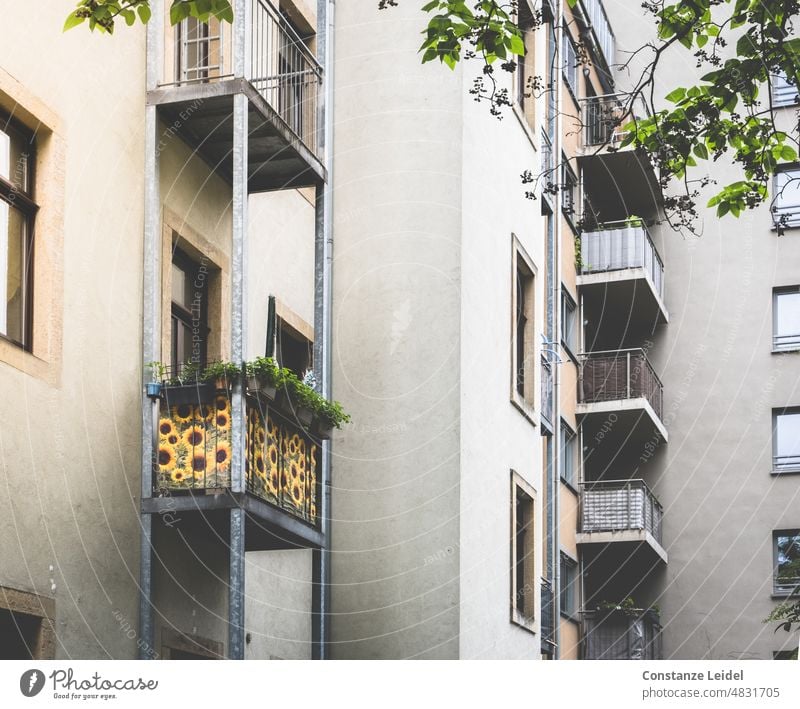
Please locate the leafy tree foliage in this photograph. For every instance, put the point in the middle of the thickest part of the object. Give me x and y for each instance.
(102, 15)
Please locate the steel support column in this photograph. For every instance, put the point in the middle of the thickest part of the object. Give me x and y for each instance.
(151, 323)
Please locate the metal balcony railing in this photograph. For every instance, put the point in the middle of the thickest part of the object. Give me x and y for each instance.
(547, 393)
(601, 28)
(632, 634)
(604, 116)
(614, 246)
(548, 622)
(616, 375)
(619, 505)
(281, 67)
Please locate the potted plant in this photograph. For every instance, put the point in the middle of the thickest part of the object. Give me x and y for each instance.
(263, 377)
(186, 386)
(157, 371)
(329, 415)
(221, 374)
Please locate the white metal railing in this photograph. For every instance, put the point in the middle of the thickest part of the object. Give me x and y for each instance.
(601, 28)
(618, 505)
(614, 246)
(603, 118)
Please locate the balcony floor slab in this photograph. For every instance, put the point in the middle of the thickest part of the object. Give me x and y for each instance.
(624, 536)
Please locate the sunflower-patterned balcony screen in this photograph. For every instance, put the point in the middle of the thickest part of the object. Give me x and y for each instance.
(194, 444)
(281, 464)
(194, 453)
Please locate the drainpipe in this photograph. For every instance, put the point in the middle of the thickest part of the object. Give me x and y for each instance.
(556, 270)
(323, 259)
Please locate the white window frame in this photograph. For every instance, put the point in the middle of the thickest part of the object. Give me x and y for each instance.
(781, 342)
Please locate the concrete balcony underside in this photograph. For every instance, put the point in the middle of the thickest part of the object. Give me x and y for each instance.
(267, 527)
(634, 539)
(628, 294)
(626, 421)
(202, 115)
(620, 183)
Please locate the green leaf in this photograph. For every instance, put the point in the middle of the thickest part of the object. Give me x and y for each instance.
(73, 20)
(701, 151)
(676, 95)
(517, 46)
(144, 13)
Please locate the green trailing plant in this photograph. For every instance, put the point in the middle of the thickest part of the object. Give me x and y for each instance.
(220, 370)
(302, 394)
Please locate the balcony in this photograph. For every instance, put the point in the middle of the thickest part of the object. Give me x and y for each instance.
(194, 455)
(623, 512)
(617, 181)
(632, 634)
(601, 32)
(282, 81)
(620, 398)
(622, 275)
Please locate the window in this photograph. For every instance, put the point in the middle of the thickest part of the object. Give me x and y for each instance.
(523, 572)
(569, 454)
(289, 339)
(523, 336)
(786, 561)
(26, 626)
(570, 66)
(190, 287)
(786, 318)
(17, 212)
(569, 318)
(784, 92)
(786, 440)
(569, 586)
(199, 49)
(786, 200)
(569, 187)
(525, 68)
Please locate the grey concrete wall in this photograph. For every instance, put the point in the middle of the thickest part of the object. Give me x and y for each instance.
(721, 382)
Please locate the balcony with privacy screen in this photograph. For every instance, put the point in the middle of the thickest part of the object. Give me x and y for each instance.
(618, 181)
(277, 73)
(620, 402)
(617, 634)
(621, 280)
(624, 513)
(194, 450)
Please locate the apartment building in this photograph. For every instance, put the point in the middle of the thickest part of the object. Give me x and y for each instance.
(168, 206)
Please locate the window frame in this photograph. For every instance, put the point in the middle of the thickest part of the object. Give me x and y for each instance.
(792, 210)
(520, 613)
(791, 346)
(567, 299)
(568, 593)
(524, 105)
(574, 448)
(783, 93)
(566, 69)
(23, 200)
(789, 468)
(178, 312)
(521, 264)
(569, 198)
(779, 590)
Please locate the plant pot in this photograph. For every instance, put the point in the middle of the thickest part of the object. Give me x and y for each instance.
(323, 429)
(304, 415)
(196, 394)
(154, 390)
(268, 391)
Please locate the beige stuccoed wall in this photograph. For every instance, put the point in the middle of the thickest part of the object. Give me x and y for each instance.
(69, 439)
(396, 341)
(496, 437)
